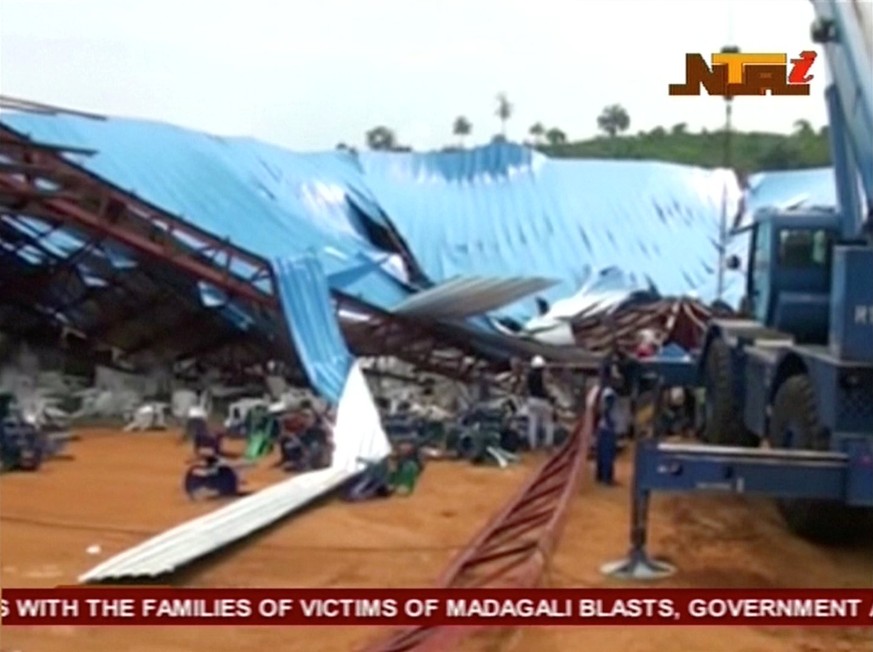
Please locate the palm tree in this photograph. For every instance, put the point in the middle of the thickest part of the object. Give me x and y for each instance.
(555, 136)
(381, 138)
(613, 120)
(462, 128)
(504, 112)
(803, 128)
(537, 130)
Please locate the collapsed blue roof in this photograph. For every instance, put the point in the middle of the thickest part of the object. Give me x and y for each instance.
(264, 199)
(504, 208)
(496, 211)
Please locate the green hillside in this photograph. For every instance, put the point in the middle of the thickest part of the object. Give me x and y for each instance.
(750, 152)
(745, 152)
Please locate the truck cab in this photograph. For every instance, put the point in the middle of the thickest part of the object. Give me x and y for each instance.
(788, 279)
(796, 370)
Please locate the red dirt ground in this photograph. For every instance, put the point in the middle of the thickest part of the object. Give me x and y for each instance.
(122, 488)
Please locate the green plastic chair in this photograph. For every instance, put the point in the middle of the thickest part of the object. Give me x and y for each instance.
(405, 477)
(261, 438)
(258, 446)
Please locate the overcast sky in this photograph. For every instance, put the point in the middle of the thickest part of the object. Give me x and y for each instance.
(308, 75)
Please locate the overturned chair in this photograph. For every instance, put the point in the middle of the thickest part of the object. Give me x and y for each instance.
(487, 435)
(395, 475)
(24, 443)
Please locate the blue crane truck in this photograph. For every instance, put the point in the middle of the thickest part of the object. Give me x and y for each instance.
(789, 388)
(799, 373)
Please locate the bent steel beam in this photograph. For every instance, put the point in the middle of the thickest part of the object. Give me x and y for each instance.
(67, 211)
(512, 550)
(82, 200)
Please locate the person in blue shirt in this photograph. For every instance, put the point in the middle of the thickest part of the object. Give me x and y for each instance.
(607, 436)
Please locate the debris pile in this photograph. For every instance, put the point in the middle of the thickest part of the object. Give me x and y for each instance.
(673, 321)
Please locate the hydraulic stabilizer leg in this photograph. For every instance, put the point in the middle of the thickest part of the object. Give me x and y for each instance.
(638, 565)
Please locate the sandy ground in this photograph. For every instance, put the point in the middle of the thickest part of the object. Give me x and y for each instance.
(121, 489)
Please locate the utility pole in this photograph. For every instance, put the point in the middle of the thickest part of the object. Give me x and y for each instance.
(727, 162)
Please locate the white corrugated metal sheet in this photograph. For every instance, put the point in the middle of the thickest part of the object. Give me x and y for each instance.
(358, 436)
(470, 296)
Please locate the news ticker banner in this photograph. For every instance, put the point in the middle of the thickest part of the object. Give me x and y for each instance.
(97, 606)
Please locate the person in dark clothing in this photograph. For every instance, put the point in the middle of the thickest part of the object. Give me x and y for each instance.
(307, 442)
(607, 437)
(316, 439)
(207, 444)
(294, 455)
(539, 405)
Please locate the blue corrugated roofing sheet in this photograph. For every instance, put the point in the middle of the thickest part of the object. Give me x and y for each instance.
(309, 314)
(506, 210)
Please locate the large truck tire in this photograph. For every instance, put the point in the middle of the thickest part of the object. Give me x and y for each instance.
(795, 424)
(723, 424)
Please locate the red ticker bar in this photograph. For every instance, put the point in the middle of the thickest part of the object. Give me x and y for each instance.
(435, 607)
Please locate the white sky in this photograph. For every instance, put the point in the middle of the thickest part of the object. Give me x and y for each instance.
(308, 75)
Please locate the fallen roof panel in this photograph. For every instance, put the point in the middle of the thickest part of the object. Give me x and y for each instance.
(312, 322)
(469, 296)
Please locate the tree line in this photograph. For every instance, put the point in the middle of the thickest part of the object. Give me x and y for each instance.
(805, 147)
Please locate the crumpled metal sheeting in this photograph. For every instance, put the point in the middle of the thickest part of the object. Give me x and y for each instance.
(261, 197)
(504, 210)
(499, 211)
(312, 323)
(603, 293)
(358, 435)
(470, 296)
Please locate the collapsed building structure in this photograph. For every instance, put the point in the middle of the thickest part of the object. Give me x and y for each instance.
(173, 254)
(138, 243)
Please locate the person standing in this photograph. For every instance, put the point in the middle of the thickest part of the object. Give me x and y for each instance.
(607, 437)
(539, 405)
